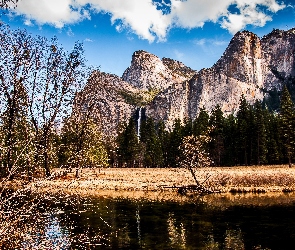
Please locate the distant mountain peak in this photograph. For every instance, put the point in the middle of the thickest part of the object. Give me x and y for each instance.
(250, 65)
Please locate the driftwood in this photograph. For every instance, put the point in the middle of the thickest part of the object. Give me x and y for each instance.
(197, 189)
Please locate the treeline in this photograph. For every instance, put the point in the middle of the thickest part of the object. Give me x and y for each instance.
(254, 136)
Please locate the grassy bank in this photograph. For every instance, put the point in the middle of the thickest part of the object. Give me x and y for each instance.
(115, 181)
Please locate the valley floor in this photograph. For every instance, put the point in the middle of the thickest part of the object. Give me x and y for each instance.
(146, 182)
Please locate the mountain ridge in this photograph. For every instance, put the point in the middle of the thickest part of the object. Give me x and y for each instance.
(169, 90)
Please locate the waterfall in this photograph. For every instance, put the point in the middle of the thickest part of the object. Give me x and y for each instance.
(138, 122)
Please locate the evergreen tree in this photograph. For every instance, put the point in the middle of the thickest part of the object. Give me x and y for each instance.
(230, 141)
(260, 141)
(128, 146)
(287, 116)
(163, 136)
(153, 155)
(274, 152)
(187, 128)
(243, 117)
(175, 140)
(201, 123)
(216, 144)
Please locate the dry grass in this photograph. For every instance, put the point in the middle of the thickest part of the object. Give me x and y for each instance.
(224, 179)
(137, 181)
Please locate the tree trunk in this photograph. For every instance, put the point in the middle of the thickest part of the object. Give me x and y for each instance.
(46, 165)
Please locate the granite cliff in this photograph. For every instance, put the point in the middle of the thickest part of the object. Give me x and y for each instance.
(250, 65)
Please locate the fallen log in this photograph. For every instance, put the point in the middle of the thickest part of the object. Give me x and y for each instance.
(199, 189)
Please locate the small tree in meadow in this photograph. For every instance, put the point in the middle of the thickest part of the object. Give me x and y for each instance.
(194, 153)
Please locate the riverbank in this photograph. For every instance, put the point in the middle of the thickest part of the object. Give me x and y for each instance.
(153, 182)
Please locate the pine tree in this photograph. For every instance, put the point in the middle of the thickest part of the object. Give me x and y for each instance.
(201, 123)
(274, 152)
(128, 146)
(287, 127)
(230, 141)
(175, 140)
(243, 117)
(187, 128)
(260, 141)
(216, 144)
(163, 136)
(153, 155)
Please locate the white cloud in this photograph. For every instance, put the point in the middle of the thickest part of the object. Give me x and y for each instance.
(28, 23)
(250, 14)
(144, 19)
(54, 12)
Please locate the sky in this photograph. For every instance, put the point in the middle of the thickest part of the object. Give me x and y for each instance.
(195, 32)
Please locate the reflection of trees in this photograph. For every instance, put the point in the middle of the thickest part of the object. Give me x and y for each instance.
(176, 232)
(234, 240)
(124, 224)
(26, 222)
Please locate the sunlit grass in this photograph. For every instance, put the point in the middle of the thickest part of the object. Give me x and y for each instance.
(256, 179)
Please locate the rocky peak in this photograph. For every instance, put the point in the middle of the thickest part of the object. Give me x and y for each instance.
(242, 58)
(178, 67)
(142, 60)
(148, 71)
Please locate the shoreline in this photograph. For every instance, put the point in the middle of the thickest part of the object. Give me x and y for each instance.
(149, 183)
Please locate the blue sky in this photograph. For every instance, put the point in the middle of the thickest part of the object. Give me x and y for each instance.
(195, 32)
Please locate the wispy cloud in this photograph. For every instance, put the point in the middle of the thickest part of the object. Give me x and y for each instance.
(209, 42)
(150, 20)
(70, 32)
(199, 42)
(88, 40)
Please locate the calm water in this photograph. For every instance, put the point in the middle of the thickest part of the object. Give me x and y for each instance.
(100, 223)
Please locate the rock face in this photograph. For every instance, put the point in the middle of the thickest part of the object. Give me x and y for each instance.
(168, 89)
(239, 71)
(278, 54)
(148, 71)
(105, 97)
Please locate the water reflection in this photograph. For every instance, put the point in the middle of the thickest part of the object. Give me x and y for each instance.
(176, 232)
(100, 223)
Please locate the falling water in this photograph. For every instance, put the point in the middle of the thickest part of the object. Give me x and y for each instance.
(138, 122)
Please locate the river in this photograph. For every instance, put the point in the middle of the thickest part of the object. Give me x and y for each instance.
(237, 222)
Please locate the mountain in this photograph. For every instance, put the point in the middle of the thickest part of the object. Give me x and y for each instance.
(250, 66)
(148, 72)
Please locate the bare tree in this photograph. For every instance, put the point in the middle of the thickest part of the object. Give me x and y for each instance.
(195, 155)
(44, 78)
(14, 65)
